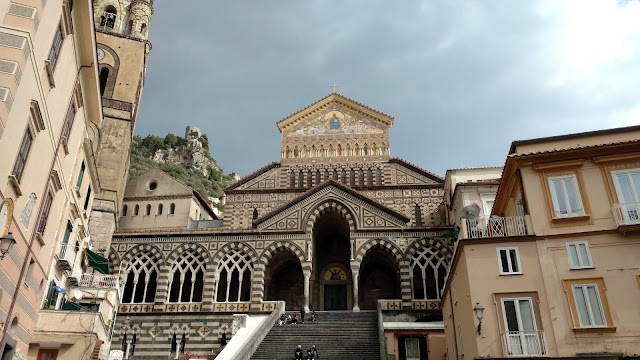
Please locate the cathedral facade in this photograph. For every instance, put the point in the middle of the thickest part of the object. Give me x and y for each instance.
(336, 224)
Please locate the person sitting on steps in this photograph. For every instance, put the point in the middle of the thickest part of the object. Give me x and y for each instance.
(295, 319)
(298, 353)
(314, 317)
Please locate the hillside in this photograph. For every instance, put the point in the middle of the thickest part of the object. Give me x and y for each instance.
(185, 158)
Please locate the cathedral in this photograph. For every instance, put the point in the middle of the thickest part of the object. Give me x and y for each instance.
(335, 224)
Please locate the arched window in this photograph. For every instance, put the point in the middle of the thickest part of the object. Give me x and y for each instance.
(130, 27)
(357, 150)
(160, 208)
(292, 179)
(197, 215)
(331, 152)
(234, 277)
(136, 210)
(343, 176)
(255, 213)
(318, 180)
(300, 179)
(186, 278)
(108, 18)
(287, 153)
(418, 214)
(361, 177)
(147, 210)
(326, 175)
(309, 178)
(369, 177)
(172, 209)
(378, 176)
(104, 76)
(124, 210)
(366, 149)
(352, 177)
(339, 150)
(428, 271)
(141, 279)
(143, 30)
(296, 152)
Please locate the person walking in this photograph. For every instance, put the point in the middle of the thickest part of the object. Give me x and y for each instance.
(302, 313)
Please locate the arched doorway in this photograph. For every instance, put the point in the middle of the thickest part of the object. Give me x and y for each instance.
(284, 280)
(379, 278)
(331, 278)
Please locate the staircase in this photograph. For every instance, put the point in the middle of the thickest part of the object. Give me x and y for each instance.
(338, 335)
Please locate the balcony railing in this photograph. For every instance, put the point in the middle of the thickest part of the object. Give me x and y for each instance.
(494, 226)
(626, 213)
(98, 281)
(524, 343)
(67, 256)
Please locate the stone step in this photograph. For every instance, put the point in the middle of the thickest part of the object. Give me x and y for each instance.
(339, 335)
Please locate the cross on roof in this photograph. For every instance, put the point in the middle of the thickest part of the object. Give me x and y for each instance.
(334, 86)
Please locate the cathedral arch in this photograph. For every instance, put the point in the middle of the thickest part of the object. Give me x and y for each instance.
(379, 273)
(233, 275)
(330, 205)
(231, 246)
(428, 260)
(134, 251)
(277, 246)
(392, 248)
(196, 248)
(186, 276)
(437, 244)
(140, 278)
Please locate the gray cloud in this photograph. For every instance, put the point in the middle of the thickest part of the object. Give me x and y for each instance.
(462, 79)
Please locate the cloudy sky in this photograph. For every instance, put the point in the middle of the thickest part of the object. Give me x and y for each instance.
(462, 78)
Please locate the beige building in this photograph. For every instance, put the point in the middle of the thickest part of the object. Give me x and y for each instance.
(55, 301)
(555, 268)
(155, 200)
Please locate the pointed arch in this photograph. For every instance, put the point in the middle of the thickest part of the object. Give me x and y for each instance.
(134, 251)
(388, 245)
(429, 242)
(428, 265)
(186, 276)
(277, 246)
(234, 245)
(330, 205)
(197, 248)
(233, 275)
(114, 259)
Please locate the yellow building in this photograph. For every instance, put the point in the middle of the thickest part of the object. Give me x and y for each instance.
(554, 271)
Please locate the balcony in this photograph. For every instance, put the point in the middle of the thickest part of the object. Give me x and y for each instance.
(99, 281)
(66, 257)
(74, 276)
(524, 343)
(627, 214)
(494, 226)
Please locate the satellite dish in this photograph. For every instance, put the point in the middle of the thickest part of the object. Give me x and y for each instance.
(470, 212)
(77, 294)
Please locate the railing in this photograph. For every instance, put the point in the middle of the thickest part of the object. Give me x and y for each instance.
(68, 254)
(98, 281)
(524, 343)
(495, 226)
(626, 213)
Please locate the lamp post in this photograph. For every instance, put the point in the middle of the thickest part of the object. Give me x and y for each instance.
(6, 242)
(478, 310)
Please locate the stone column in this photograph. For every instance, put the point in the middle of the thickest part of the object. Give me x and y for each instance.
(178, 341)
(126, 353)
(355, 275)
(307, 275)
(162, 290)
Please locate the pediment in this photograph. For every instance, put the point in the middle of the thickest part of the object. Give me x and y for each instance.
(264, 178)
(409, 174)
(335, 115)
(166, 185)
(298, 214)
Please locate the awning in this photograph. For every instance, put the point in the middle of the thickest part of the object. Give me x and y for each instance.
(98, 262)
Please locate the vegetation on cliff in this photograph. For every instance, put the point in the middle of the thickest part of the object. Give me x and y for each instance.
(210, 182)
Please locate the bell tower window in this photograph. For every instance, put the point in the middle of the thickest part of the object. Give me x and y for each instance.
(104, 76)
(108, 18)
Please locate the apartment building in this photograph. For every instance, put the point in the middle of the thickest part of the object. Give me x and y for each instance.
(553, 272)
(57, 299)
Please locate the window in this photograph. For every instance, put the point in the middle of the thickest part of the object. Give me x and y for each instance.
(160, 208)
(412, 348)
(579, 256)
(172, 209)
(56, 46)
(44, 214)
(234, 277)
(47, 354)
(124, 210)
(68, 121)
(521, 337)
(509, 261)
(80, 175)
(86, 199)
(108, 18)
(487, 204)
(588, 304)
(186, 278)
(141, 279)
(104, 76)
(23, 154)
(52, 297)
(627, 185)
(418, 214)
(428, 271)
(136, 210)
(565, 196)
(147, 210)
(67, 233)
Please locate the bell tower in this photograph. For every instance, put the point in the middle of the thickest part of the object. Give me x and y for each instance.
(122, 28)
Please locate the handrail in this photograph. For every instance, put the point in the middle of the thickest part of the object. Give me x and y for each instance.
(524, 343)
(68, 253)
(626, 213)
(98, 280)
(261, 332)
(495, 226)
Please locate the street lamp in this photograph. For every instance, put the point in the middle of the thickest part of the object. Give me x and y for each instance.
(478, 310)
(6, 242)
